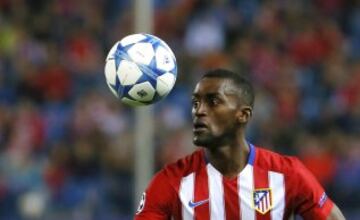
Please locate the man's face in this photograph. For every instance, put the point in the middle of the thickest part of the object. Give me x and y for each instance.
(214, 107)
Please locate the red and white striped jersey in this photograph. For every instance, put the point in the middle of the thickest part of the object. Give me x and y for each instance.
(271, 186)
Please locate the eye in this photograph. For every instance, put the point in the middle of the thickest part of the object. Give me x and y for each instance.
(195, 103)
(214, 101)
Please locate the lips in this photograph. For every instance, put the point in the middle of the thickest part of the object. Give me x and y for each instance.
(199, 126)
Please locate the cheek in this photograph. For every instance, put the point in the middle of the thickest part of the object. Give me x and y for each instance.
(227, 119)
(222, 124)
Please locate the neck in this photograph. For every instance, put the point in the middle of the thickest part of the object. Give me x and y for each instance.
(230, 160)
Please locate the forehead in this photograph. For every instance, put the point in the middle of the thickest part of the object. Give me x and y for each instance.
(214, 86)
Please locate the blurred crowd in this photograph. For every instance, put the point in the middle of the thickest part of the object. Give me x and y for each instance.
(66, 143)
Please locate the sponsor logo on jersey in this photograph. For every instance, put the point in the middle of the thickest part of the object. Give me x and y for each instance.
(193, 204)
(262, 200)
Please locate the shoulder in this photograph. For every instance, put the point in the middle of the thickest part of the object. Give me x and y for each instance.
(276, 162)
(174, 172)
(303, 192)
(163, 189)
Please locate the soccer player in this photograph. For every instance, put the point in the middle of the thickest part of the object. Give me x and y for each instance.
(228, 177)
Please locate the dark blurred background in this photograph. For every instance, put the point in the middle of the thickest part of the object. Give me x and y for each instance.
(66, 143)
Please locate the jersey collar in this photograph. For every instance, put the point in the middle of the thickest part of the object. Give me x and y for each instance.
(251, 157)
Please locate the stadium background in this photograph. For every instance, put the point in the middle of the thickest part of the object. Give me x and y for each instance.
(66, 144)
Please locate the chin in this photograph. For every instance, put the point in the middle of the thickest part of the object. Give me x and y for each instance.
(197, 141)
(201, 141)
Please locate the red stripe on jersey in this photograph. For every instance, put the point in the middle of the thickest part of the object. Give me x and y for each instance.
(176, 207)
(232, 205)
(261, 181)
(201, 212)
(177, 210)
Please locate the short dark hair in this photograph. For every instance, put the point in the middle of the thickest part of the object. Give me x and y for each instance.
(240, 80)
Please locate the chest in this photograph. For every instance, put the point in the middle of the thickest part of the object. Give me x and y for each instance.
(254, 194)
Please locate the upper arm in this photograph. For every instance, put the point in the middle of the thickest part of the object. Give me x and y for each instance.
(156, 202)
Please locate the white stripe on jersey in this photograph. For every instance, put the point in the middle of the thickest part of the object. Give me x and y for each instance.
(186, 193)
(246, 189)
(216, 193)
(277, 185)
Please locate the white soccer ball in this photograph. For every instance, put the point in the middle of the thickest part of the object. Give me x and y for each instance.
(140, 69)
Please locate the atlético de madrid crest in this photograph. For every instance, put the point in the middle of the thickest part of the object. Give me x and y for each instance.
(262, 200)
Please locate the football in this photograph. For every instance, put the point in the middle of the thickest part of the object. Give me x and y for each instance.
(140, 69)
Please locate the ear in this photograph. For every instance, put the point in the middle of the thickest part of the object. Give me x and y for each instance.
(244, 114)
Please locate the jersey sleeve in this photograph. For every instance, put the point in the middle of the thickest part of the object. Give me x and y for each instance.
(156, 202)
(311, 201)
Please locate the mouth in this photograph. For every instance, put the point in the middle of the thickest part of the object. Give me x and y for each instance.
(199, 126)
